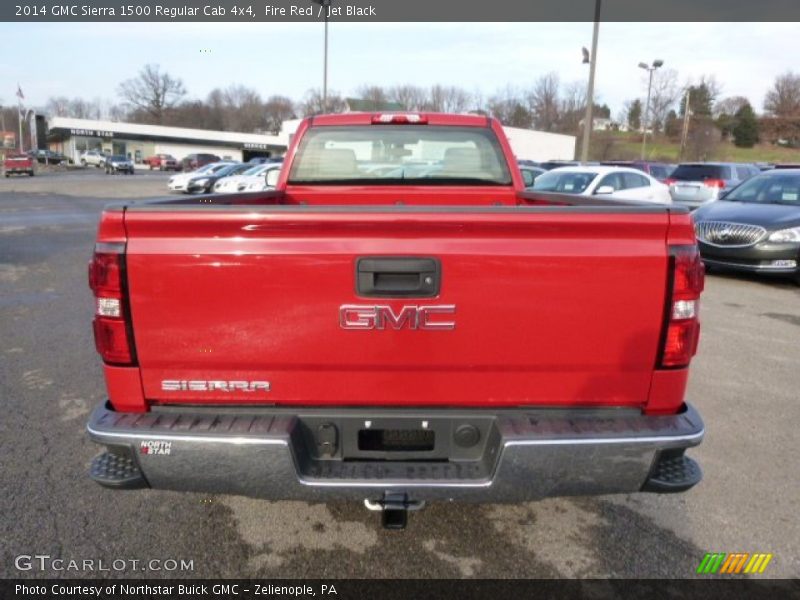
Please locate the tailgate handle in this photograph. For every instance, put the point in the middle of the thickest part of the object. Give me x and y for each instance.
(398, 277)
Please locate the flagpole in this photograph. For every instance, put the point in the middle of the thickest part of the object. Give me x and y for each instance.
(19, 118)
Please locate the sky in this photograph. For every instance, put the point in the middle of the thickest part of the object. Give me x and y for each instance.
(89, 60)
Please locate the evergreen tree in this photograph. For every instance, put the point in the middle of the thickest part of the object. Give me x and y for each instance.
(745, 132)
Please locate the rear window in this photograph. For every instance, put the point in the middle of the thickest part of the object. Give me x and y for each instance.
(399, 155)
(568, 182)
(701, 172)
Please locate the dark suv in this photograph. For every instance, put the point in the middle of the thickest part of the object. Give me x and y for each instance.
(693, 184)
(195, 161)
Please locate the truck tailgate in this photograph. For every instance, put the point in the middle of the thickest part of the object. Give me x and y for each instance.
(553, 306)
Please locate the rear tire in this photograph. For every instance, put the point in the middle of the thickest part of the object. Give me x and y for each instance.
(30, 173)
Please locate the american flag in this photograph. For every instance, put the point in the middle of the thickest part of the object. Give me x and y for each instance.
(20, 95)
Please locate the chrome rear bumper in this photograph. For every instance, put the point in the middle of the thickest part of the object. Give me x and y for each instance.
(277, 454)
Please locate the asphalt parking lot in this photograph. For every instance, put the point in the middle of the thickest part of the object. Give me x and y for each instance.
(745, 381)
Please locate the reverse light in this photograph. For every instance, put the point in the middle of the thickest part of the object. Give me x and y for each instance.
(399, 119)
(682, 327)
(785, 235)
(108, 307)
(112, 332)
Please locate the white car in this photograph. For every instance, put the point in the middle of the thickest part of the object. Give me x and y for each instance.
(93, 157)
(178, 183)
(237, 183)
(264, 181)
(618, 183)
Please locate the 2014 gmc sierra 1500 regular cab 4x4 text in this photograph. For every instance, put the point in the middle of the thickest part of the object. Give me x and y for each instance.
(398, 321)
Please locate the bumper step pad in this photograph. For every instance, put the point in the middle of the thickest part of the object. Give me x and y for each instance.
(673, 473)
(116, 471)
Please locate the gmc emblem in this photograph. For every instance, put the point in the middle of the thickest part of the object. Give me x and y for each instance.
(358, 316)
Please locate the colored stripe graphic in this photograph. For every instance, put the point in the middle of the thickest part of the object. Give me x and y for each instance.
(734, 563)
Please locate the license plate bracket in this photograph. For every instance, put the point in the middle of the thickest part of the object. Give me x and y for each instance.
(396, 440)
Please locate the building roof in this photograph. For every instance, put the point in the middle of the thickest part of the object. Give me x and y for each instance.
(95, 128)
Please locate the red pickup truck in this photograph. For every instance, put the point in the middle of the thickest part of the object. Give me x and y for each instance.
(162, 162)
(16, 164)
(398, 321)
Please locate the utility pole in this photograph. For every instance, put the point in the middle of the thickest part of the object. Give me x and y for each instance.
(587, 119)
(325, 4)
(686, 117)
(650, 68)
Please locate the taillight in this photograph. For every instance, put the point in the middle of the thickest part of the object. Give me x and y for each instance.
(399, 119)
(715, 183)
(682, 325)
(670, 181)
(112, 333)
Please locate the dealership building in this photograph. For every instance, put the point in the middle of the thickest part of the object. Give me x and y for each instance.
(137, 141)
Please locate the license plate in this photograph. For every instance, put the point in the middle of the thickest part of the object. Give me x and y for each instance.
(396, 440)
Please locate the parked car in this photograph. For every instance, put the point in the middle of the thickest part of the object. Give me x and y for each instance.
(93, 157)
(260, 160)
(693, 184)
(618, 183)
(658, 170)
(529, 174)
(118, 163)
(18, 164)
(389, 352)
(48, 157)
(554, 164)
(162, 162)
(193, 162)
(265, 181)
(179, 182)
(755, 227)
(238, 182)
(204, 182)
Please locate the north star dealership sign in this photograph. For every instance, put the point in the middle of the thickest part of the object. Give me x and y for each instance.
(91, 133)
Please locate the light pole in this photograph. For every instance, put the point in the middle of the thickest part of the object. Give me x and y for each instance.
(325, 4)
(650, 69)
(592, 60)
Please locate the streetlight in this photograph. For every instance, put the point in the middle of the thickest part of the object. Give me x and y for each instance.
(592, 60)
(650, 69)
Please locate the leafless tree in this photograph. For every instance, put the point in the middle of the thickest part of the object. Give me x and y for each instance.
(664, 94)
(278, 109)
(451, 99)
(543, 100)
(152, 92)
(373, 93)
(410, 97)
(783, 100)
(312, 103)
(729, 106)
(572, 107)
(508, 106)
(243, 109)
